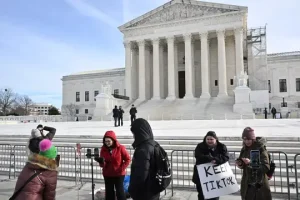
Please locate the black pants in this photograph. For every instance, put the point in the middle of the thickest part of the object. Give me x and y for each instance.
(116, 120)
(133, 117)
(274, 116)
(200, 194)
(112, 183)
(121, 120)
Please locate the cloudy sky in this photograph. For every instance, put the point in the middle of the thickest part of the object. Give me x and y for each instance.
(43, 40)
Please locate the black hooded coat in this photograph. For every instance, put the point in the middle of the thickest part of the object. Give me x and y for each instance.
(143, 163)
(204, 154)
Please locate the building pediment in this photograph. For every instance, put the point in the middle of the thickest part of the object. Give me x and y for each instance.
(177, 10)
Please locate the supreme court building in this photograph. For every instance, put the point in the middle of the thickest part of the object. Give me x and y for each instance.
(184, 49)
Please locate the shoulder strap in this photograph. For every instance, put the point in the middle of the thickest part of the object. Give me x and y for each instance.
(21, 188)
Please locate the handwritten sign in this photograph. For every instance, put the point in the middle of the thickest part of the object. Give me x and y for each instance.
(217, 180)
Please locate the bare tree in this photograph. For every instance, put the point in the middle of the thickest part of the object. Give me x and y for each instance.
(26, 103)
(7, 100)
(70, 109)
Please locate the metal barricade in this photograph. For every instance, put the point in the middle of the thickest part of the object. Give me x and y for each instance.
(20, 158)
(68, 162)
(296, 158)
(183, 161)
(5, 159)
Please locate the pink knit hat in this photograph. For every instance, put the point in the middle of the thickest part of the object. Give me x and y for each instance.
(45, 145)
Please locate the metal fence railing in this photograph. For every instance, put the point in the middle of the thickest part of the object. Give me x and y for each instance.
(74, 165)
(297, 180)
(183, 162)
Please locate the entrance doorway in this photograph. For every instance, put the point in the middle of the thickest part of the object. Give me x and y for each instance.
(181, 83)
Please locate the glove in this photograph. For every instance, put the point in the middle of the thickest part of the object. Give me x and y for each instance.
(100, 160)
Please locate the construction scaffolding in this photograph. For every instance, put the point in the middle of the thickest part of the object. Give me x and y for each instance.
(257, 66)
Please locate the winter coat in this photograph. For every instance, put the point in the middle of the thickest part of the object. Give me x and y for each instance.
(116, 158)
(115, 112)
(132, 111)
(41, 187)
(205, 155)
(247, 190)
(143, 168)
(121, 112)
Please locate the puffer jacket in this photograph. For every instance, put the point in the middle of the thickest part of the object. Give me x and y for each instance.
(116, 158)
(248, 191)
(41, 187)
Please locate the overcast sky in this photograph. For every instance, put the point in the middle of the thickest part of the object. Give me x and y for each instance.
(43, 40)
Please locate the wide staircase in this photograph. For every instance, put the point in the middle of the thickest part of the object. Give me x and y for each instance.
(195, 109)
(75, 166)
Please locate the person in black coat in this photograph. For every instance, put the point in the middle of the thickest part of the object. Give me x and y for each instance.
(209, 151)
(143, 170)
(116, 115)
(121, 112)
(132, 113)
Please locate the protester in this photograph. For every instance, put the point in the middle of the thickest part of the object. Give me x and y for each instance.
(44, 167)
(116, 115)
(254, 187)
(114, 159)
(132, 113)
(143, 172)
(38, 135)
(274, 111)
(209, 151)
(121, 112)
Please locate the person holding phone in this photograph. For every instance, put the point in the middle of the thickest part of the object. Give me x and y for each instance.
(209, 151)
(254, 187)
(114, 159)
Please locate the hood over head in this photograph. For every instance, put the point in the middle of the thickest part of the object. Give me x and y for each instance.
(112, 135)
(142, 131)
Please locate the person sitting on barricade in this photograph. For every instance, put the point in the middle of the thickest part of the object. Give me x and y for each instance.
(38, 178)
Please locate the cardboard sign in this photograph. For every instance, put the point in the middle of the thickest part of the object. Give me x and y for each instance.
(217, 180)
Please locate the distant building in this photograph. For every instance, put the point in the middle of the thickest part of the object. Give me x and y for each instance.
(40, 109)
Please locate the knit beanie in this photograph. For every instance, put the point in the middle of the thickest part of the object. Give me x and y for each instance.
(248, 134)
(47, 149)
(212, 134)
(35, 133)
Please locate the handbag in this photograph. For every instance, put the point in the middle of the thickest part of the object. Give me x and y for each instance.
(21, 188)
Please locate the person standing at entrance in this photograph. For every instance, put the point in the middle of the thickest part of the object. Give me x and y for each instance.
(132, 113)
(116, 115)
(266, 113)
(273, 111)
(121, 112)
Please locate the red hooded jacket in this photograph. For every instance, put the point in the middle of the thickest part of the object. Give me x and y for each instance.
(116, 159)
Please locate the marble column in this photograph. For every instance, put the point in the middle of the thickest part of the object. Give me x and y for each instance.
(176, 69)
(134, 73)
(142, 70)
(156, 69)
(239, 50)
(171, 66)
(222, 64)
(188, 67)
(128, 69)
(204, 65)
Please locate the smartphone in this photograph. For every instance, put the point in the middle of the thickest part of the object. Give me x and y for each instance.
(255, 159)
(88, 153)
(96, 152)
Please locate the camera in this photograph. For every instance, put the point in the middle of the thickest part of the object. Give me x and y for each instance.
(255, 159)
(96, 152)
(90, 155)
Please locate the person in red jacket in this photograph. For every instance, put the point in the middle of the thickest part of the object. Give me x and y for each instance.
(114, 159)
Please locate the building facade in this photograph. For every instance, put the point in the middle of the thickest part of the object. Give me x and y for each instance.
(81, 89)
(184, 49)
(40, 109)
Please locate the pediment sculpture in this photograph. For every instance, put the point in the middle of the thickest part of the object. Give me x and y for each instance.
(179, 11)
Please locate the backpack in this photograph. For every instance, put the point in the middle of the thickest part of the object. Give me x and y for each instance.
(163, 172)
(272, 165)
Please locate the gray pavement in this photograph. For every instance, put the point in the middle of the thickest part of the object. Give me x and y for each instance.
(67, 190)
